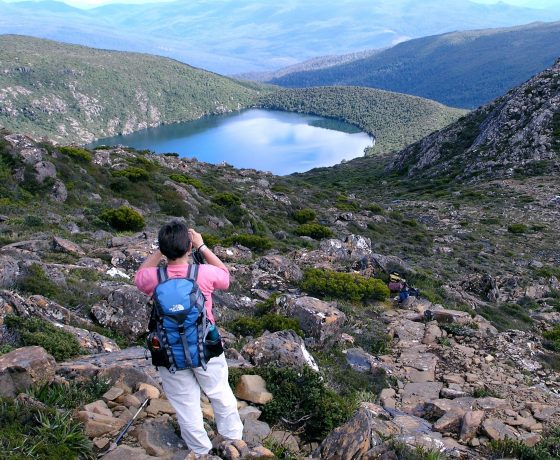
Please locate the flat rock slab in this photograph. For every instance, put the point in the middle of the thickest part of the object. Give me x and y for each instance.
(252, 388)
(415, 395)
(409, 332)
(157, 437)
(127, 453)
(498, 430)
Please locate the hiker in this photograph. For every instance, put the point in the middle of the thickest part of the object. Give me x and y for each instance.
(182, 386)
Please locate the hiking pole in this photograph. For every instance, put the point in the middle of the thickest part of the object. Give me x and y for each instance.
(125, 429)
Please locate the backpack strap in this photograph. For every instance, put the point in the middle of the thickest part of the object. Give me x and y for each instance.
(162, 274)
(185, 346)
(192, 272)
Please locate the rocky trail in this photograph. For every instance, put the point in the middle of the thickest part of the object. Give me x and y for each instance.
(454, 381)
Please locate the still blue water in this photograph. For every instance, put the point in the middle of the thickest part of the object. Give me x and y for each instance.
(280, 142)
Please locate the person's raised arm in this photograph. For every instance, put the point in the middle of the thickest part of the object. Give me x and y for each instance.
(208, 255)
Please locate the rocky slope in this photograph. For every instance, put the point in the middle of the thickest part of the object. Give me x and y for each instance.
(393, 382)
(517, 133)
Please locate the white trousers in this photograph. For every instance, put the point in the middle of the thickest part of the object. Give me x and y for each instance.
(183, 392)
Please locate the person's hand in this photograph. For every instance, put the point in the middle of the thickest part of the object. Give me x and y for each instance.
(196, 238)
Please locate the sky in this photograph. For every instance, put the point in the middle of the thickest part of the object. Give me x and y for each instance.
(94, 3)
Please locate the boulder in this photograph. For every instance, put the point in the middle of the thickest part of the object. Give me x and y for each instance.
(252, 388)
(280, 266)
(318, 319)
(450, 422)
(59, 192)
(432, 333)
(44, 170)
(126, 311)
(24, 367)
(415, 396)
(67, 246)
(283, 349)
(157, 437)
(369, 427)
(498, 430)
(234, 253)
(409, 332)
(160, 406)
(9, 271)
(471, 422)
(98, 407)
(124, 452)
(248, 412)
(285, 439)
(255, 432)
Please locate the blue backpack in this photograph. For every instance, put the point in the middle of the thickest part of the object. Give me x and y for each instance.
(181, 336)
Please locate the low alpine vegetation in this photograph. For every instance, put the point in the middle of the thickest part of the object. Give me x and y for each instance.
(349, 286)
(123, 218)
(315, 231)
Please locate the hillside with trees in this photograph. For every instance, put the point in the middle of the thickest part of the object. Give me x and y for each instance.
(459, 69)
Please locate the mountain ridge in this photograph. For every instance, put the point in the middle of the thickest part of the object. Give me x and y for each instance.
(460, 69)
(287, 32)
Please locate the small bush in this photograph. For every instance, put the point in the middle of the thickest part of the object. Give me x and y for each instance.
(315, 231)
(5, 349)
(547, 271)
(517, 228)
(210, 240)
(271, 322)
(375, 208)
(552, 338)
(77, 153)
(183, 179)
(36, 281)
(548, 448)
(301, 400)
(226, 199)
(132, 173)
(254, 242)
(171, 154)
(354, 287)
(34, 331)
(304, 216)
(123, 218)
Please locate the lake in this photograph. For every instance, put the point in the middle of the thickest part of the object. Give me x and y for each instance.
(280, 142)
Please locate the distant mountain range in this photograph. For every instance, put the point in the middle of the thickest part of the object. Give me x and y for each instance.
(234, 36)
(459, 69)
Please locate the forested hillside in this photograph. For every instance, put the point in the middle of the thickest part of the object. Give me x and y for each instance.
(71, 93)
(394, 119)
(459, 69)
(74, 93)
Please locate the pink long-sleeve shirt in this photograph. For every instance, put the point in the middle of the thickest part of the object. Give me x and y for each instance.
(209, 279)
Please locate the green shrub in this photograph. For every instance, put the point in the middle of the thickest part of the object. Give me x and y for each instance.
(183, 179)
(375, 208)
(132, 173)
(226, 199)
(5, 349)
(300, 400)
(304, 215)
(210, 240)
(171, 203)
(77, 153)
(255, 326)
(547, 271)
(36, 281)
(254, 242)
(315, 231)
(552, 338)
(548, 448)
(517, 228)
(351, 286)
(27, 432)
(123, 218)
(34, 331)
(70, 396)
(33, 221)
(171, 154)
